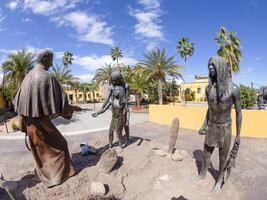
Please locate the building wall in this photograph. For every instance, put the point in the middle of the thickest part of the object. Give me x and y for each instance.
(253, 124)
(197, 87)
(81, 96)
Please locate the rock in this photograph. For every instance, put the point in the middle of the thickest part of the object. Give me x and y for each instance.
(165, 177)
(10, 185)
(119, 149)
(107, 161)
(184, 153)
(97, 188)
(177, 157)
(160, 153)
(174, 134)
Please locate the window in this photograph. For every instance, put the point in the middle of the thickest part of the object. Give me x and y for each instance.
(199, 90)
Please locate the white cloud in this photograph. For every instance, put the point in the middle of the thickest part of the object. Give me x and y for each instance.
(148, 25)
(43, 7)
(33, 50)
(246, 70)
(90, 28)
(26, 20)
(150, 4)
(258, 58)
(13, 4)
(85, 77)
(93, 62)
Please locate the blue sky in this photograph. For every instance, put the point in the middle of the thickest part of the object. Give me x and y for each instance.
(90, 28)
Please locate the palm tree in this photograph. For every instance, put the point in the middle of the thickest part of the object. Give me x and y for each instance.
(76, 86)
(85, 88)
(229, 48)
(185, 48)
(157, 65)
(127, 72)
(93, 88)
(16, 67)
(67, 58)
(63, 75)
(104, 74)
(137, 85)
(116, 53)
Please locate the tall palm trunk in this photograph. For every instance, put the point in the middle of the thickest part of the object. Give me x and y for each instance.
(137, 100)
(160, 91)
(76, 95)
(94, 98)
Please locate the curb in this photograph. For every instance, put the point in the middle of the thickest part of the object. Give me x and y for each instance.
(21, 136)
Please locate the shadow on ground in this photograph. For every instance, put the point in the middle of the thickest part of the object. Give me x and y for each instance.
(179, 198)
(81, 162)
(198, 155)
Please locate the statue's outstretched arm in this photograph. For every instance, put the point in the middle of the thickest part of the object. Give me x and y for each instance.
(102, 110)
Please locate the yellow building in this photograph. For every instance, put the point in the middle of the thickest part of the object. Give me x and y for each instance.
(80, 96)
(197, 87)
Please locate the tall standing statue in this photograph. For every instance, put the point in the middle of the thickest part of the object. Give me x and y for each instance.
(117, 99)
(40, 97)
(221, 94)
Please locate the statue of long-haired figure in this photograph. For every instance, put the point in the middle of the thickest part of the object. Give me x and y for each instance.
(221, 94)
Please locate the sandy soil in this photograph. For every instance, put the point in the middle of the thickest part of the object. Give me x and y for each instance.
(142, 175)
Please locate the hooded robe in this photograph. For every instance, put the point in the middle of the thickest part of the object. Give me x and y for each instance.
(39, 98)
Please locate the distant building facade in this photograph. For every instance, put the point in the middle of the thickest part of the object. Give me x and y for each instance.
(78, 96)
(197, 87)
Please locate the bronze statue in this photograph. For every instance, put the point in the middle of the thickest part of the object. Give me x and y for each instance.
(39, 98)
(117, 99)
(221, 94)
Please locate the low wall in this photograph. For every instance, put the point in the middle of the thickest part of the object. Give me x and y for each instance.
(254, 121)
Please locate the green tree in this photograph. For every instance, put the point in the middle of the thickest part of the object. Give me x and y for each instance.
(248, 96)
(156, 66)
(15, 68)
(76, 86)
(85, 88)
(104, 74)
(63, 75)
(230, 48)
(137, 85)
(67, 58)
(189, 95)
(185, 48)
(116, 53)
(94, 88)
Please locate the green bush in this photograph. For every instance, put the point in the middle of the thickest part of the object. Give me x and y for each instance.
(15, 127)
(248, 96)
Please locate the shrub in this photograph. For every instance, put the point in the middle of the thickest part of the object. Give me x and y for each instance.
(248, 96)
(15, 127)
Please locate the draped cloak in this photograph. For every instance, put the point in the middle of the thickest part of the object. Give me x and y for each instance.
(39, 98)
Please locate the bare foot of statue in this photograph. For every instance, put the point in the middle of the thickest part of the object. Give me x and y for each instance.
(110, 145)
(217, 186)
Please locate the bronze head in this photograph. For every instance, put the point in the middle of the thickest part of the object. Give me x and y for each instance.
(220, 73)
(45, 58)
(116, 78)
